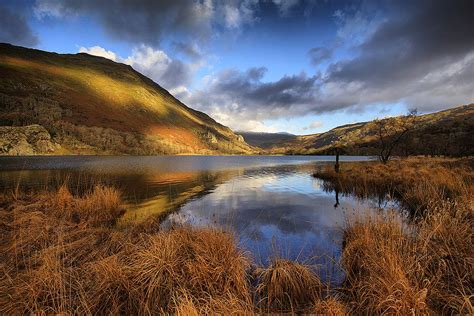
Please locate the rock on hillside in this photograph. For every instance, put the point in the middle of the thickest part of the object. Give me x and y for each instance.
(26, 140)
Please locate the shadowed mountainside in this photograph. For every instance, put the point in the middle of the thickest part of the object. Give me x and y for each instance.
(447, 132)
(92, 105)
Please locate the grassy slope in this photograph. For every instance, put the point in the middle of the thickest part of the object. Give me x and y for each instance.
(437, 133)
(91, 91)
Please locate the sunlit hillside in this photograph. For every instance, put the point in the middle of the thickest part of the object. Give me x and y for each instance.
(90, 104)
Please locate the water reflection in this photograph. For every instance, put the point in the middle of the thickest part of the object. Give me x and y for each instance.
(273, 204)
(278, 209)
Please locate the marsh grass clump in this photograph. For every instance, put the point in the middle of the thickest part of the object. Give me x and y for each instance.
(61, 254)
(203, 264)
(415, 182)
(287, 286)
(100, 206)
(329, 307)
(421, 266)
(399, 268)
(445, 239)
(45, 249)
(380, 259)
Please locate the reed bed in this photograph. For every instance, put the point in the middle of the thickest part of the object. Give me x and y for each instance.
(422, 266)
(418, 183)
(61, 253)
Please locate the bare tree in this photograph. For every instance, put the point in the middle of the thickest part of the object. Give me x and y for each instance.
(390, 132)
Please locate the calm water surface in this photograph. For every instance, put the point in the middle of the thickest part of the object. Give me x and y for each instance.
(272, 203)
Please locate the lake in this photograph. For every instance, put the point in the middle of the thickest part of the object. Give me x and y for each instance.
(272, 203)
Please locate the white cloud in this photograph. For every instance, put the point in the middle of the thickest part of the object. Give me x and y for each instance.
(149, 61)
(237, 120)
(234, 14)
(51, 8)
(99, 51)
(156, 64)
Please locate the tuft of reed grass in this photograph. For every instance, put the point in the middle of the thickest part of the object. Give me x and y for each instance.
(329, 307)
(100, 206)
(203, 263)
(287, 286)
(444, 244)
(422, 266)
(379, 260)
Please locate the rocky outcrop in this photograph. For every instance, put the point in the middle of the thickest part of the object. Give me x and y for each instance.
(25, 140)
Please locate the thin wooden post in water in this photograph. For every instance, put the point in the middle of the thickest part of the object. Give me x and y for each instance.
(336, 166)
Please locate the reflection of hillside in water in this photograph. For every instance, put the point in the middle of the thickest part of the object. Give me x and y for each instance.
(145, 192)
(167, 192)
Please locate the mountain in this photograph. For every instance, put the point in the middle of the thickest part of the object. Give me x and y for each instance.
(81, 104)
(449, 132)
(266, 140)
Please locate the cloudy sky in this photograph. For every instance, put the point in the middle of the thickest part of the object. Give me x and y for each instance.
(298, 66)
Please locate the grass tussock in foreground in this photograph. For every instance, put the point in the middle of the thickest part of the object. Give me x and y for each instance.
(62, 253)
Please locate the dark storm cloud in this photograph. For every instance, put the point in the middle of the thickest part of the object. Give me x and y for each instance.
(139, 21)
(241, 99)
(434, 34)
(421, 54)
(247, 89)
(177, 74)
(14, 29)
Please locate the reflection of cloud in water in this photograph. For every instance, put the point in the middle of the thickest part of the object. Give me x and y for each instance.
(317, 184)
(282, 208)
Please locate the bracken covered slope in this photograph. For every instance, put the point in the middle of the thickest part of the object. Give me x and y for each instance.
(91, 105)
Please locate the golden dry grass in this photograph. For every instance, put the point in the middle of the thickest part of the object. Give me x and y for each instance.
(329, 307)
(60, 254)
(418, 183)
(418, 267)
(287, 286)
(379, 261)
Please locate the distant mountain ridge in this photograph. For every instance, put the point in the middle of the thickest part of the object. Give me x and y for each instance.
(266, 140)
(92, 105)
(448, 132)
